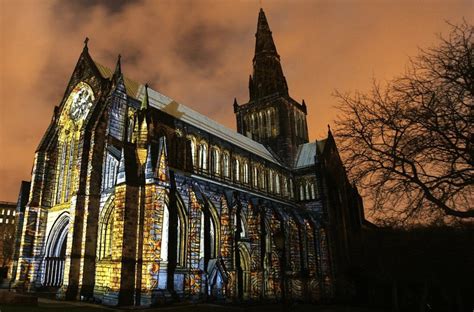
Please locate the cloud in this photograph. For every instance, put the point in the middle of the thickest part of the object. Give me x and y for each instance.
(198, 53)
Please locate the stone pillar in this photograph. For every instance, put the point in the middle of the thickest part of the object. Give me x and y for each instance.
(256, 274)
(155, 197)
(193, 280)
(87, 265)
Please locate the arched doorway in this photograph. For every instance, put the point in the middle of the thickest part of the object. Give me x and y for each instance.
(55, 252)
(243, 272)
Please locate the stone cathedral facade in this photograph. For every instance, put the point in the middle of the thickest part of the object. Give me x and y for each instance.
(136, 199)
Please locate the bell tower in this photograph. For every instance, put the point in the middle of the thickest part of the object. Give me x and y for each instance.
(271, 116)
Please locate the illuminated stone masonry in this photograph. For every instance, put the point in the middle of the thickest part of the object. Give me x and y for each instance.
(138, 200)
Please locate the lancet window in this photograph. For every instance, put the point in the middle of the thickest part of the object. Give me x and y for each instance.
(237, 169)
(106, 226)
(225, 164)
(202, 156)
(109, 172)
(216, 162)
(277, 183)
(245, 173)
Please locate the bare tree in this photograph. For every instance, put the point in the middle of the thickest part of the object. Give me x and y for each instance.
(409, 145)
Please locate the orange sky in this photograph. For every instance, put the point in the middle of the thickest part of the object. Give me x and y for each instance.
(199, 53)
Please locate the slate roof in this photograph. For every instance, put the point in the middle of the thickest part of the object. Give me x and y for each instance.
(305, 155)
(186, 114)
(132, 87)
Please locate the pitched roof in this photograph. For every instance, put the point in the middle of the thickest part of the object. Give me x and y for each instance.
(131, 86)
(305, 155)
(186, 114)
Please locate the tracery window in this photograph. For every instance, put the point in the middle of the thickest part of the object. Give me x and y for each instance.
(65, 167)
(60, 174)
(308, 194)
(301, 191)
(70, 168)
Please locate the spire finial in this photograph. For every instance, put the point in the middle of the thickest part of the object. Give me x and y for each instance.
(86, 41)
(145, 98)
(118, 66)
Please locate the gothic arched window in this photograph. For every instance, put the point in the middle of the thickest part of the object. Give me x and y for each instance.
(245, 173)
(236, 169)
(202, 157)
(285, 186)
(313, 191)
(193, 150)
(277, 183)
(60, 174)
(269, 130)
(301, 191)
(225, 164)
(270, 181)
(216, 161)
(262, 178)
(255, 176)
(106, 225)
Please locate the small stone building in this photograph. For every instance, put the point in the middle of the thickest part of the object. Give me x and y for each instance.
(7, 234)
(137, 199)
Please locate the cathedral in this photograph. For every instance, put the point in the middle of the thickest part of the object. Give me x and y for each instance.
(136, 199)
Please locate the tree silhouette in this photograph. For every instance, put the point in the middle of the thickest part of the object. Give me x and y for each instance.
(409, 144)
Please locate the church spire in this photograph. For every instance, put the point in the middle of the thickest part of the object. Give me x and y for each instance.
(264, 40)
(268, 75)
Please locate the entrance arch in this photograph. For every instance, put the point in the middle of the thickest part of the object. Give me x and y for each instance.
(243, 273)
(55, 252)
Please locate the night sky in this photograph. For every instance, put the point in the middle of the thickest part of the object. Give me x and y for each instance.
(199, 53)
